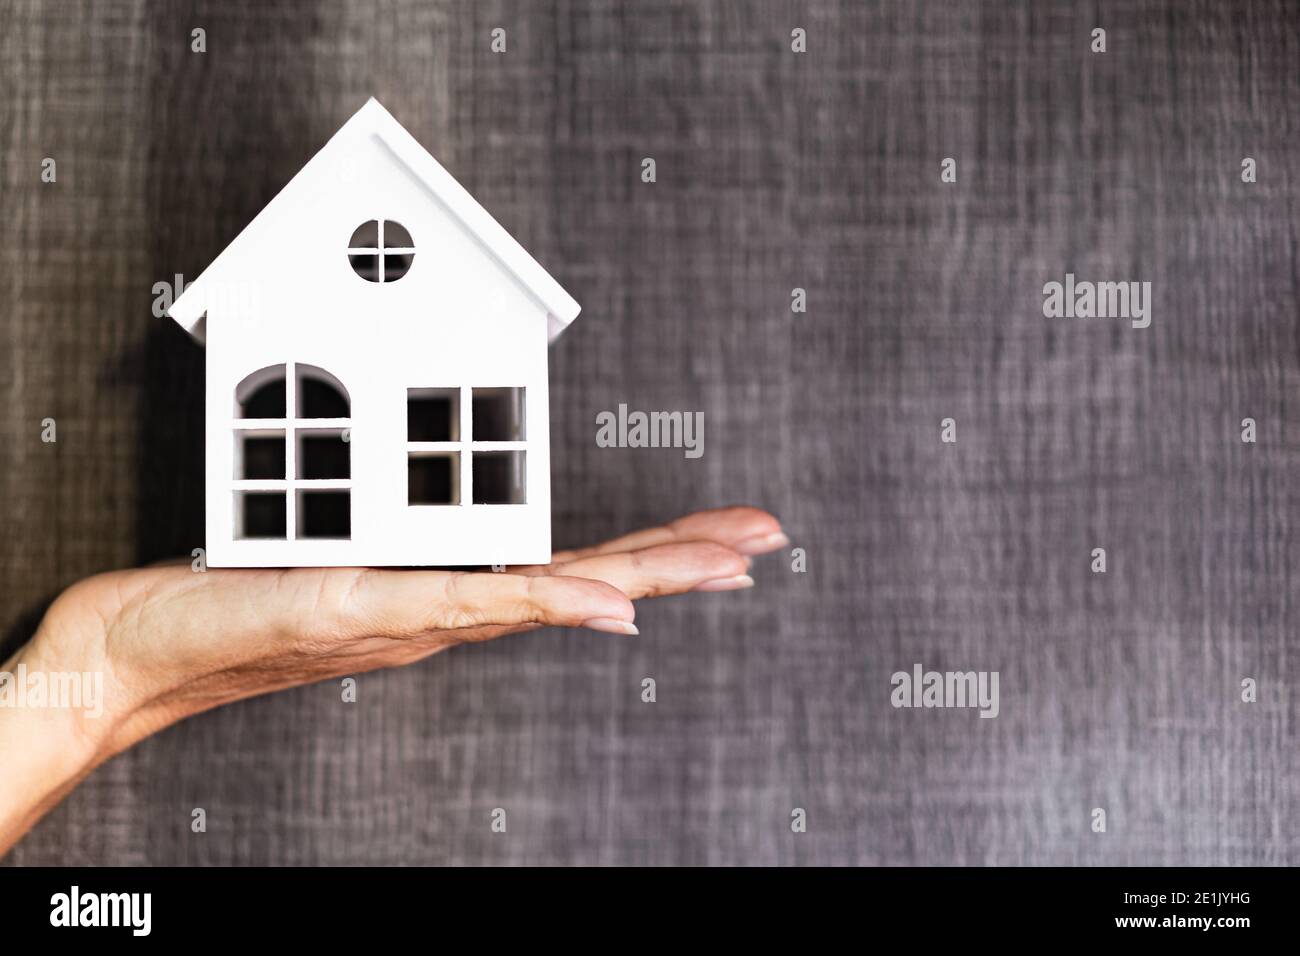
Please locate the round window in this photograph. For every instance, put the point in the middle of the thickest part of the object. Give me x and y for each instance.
(381, 251)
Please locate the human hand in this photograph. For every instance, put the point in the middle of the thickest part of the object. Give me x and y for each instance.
(171, 642)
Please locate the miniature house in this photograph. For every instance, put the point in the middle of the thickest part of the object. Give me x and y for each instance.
(376, 370)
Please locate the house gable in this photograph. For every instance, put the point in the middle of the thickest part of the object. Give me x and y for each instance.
(371, 125)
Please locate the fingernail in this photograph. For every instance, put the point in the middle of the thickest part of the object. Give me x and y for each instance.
(726, 584)
(760, 544)
(611, 625)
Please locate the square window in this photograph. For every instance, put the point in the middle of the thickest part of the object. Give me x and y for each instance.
(498, 414)
(499, 478)
(324, 514)
(433, 478)
(259, 454)
(322, 453)
(433, 414)
(261, 514)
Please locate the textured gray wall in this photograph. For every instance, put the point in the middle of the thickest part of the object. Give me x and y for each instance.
(775, 170)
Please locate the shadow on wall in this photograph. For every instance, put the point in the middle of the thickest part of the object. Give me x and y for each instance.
(24, 626)
(228, 133)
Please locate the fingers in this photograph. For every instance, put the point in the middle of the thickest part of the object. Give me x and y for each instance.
(588, 587)
(411, 603)
(659, 571)
(746, 530)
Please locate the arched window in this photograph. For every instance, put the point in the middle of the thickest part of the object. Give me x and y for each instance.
(293, 469)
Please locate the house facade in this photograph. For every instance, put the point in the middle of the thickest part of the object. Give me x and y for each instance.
(376, 370)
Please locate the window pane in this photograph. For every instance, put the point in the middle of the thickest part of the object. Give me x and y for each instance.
(499, 478)
(396, 236)
(324, 514)
(322, 453)
(320, 394)
(261, 514)
(366, 266)
(366, 236)
(433, 479)
(433, 414)
(396, 266)
(262, 394)
(259, 454)
(498, 414)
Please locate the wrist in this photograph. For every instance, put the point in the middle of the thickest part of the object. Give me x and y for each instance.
(53, 731)
(66, 705)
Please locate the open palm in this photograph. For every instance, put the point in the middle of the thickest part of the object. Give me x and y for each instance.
(172, 642)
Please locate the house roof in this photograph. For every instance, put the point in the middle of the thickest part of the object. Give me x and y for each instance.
(189, 309)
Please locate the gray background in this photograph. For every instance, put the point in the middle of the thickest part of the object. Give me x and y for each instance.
(775, 170)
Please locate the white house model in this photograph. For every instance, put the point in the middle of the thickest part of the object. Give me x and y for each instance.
(376, 370)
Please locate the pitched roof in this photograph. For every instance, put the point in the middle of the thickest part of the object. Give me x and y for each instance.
(373, 119)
